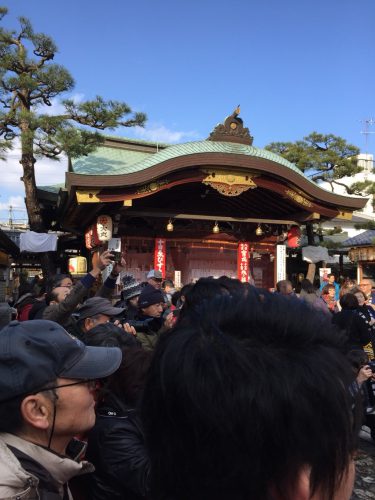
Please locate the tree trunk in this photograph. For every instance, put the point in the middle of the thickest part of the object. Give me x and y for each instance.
(32, 205)
(310, 241)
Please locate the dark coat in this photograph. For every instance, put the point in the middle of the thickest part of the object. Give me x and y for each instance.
(116, 448)
(355, 326)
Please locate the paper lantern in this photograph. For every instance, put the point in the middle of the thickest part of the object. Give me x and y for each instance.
(294, 237)
(104, 227)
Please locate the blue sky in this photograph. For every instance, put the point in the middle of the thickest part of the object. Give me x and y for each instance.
(294, 66)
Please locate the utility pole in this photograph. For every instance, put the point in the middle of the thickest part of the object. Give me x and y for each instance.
(10, 217)
(368, 122)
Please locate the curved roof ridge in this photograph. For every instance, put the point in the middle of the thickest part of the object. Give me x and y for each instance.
(196, 147)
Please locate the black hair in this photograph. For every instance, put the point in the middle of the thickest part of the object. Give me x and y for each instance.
(307, 286)
(11, 420)
(282, 284)
(168, 283)
(327, 288)
(231, 285)
(204, 289)
(56, 281)
(243, 397)
(349, 301)
(51, 295)
(357, 358)
(127, 382)
(108, 335)
(175, 298)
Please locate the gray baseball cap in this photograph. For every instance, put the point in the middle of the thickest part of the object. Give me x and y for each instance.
(98, 305)
(155, 273)
(34, 353)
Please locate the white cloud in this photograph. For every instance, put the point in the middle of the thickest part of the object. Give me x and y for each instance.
(13, 201)
(47, 173)
(157, 132)
(56, 107)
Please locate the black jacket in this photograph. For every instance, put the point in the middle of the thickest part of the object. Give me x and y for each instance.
(355, 326)
(116, 448)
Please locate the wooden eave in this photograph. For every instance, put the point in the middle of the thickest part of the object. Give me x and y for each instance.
(216, 161)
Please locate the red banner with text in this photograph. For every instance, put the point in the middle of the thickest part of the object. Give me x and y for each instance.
(160, 255)
(243, 261)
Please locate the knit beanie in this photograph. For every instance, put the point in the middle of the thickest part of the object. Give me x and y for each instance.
(131, 287)
(149, 296)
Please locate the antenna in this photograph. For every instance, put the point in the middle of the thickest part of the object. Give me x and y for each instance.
(368, 122)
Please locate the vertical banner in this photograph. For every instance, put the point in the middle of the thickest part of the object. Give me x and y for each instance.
(160, 255)
(280, 262)
(243, 262)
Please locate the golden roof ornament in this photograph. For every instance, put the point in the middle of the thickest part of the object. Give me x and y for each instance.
(232, 130)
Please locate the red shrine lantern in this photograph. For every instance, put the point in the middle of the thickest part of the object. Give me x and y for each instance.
(294, 237)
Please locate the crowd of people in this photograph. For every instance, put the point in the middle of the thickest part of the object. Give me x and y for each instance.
(218, 390)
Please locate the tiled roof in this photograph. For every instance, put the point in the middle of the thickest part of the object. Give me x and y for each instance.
(114, 161)
(365, 238)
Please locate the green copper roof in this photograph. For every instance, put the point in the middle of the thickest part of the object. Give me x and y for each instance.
(114, 161)
(108, 161)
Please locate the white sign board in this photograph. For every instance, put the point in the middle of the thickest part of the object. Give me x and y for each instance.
(177, 279)
(280, 262)
(323, 275)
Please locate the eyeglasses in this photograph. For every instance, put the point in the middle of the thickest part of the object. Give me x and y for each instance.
(91, 384)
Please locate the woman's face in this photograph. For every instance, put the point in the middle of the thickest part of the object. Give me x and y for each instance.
(331, 293)
(360, 297)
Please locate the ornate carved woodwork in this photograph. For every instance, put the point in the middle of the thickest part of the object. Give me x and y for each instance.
(232, 130)
(229, 183)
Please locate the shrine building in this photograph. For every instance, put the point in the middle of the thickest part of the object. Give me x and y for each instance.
(204, 208)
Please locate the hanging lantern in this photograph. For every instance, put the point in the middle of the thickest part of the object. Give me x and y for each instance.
(216, 228)
(294, 237)
(104, 227)
(170, 226)
(259, 230)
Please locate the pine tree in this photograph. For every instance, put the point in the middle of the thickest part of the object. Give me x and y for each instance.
(29, 80)
(324, 157)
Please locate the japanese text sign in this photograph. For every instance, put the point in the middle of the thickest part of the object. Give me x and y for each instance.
(243, 262)
(160, 255)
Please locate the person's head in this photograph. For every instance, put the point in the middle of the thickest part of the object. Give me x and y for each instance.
(329, 291)
(151, 302)
(96, 311)
(284, 287)
(155, 278)
(109, 335)
(244, 403)
(360, 294)
(128, 381)
(366, 285)
(168, 286)
(349, 301)
(131, 291)
(58, 287)
(357, 358)
(204, 289)
(47, 382)
(331, 278)
(307, 286)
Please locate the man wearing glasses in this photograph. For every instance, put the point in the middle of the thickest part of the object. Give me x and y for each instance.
(63, 297)
(47, 389)
(155, 278)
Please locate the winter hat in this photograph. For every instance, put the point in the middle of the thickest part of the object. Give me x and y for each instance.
(149, 296)
(131, 287)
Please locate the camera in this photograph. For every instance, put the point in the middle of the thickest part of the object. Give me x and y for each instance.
(371, 364)
(140, 326)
